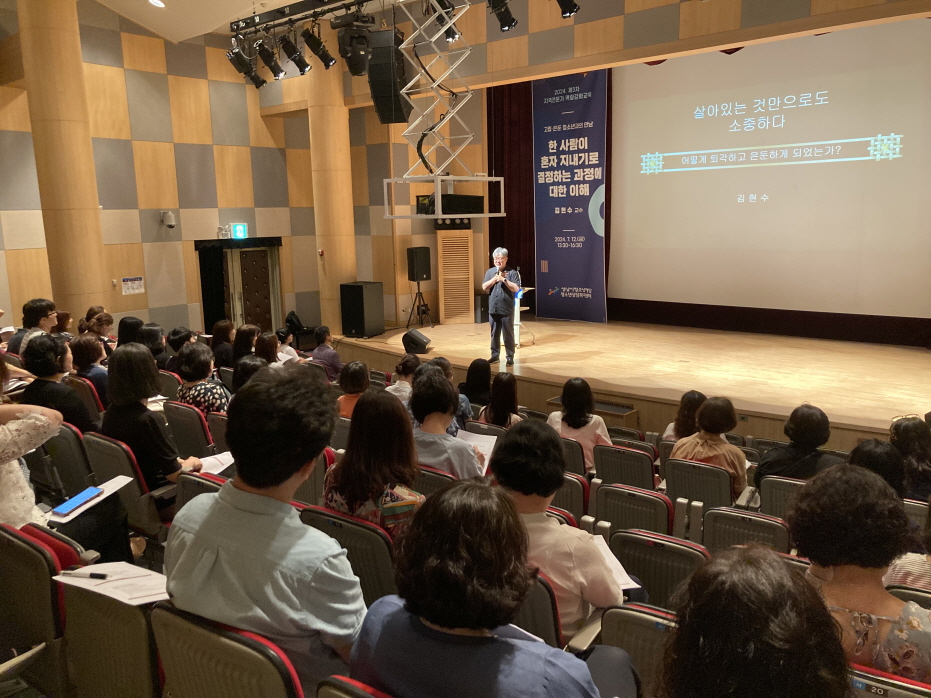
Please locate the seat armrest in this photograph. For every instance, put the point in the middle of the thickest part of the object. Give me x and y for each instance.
(603, 529)
(593, 495)
(166, 492)
(749, 499)
(588, 634)
(89, 557)
(587, 524)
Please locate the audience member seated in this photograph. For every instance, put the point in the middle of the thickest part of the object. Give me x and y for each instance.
(529, 464)
(464, 410)
(807, 429)
(245, 368)
(244, 341)
(462, 575)
(128, 330)
(477, 386)
(577, 420)
(195, 366)
(91, 313)
(152, 336)
(325, 354)
(882, 458)
(286, 353)
(221, 342)
(502, 408)
(852, 525)
(243, 557)
(266, 347)
(100, 326)
(715, 417)
(433, 403)
(133, 380)
(912, 569)
(429, 367)
(912, 437)
(48, 358)
(685, 423)
(749, 625)
(177, 338)
(404, 370)
(373, 479)
(353, 380)
(23, 428)
(86, 354)
(63, 325)
(39, 317)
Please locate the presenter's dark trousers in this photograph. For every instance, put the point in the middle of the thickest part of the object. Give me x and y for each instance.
(502, 324)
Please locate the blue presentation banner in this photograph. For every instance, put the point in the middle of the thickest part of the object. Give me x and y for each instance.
(569, 118)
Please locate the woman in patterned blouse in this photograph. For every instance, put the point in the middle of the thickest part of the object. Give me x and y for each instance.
(195, 365)
(374, 478)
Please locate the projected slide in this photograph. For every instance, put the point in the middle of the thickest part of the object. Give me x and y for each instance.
(794, 174)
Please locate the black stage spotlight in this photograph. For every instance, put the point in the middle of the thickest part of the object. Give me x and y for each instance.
(452, 32)
(269, 59)
(505, 19)
(354, 48)
(568, 8)
(318, 48)
(244, 65)
(256, 79)
(294, 54)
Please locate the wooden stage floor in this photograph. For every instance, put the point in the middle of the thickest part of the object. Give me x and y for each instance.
(858, 385)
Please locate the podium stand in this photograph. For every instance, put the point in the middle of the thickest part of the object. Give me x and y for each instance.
(518, 297)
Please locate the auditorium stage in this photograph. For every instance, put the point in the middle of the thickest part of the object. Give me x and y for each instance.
(648, 367)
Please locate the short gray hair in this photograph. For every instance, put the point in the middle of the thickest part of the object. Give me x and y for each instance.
(500, 252)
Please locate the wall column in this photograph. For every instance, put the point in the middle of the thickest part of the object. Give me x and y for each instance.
(54, 73)
(332, 181)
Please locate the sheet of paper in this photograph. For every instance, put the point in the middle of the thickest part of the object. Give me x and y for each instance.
(109, 487)
(484, 442)
(124, 582)
(218, 463)
(614, 565)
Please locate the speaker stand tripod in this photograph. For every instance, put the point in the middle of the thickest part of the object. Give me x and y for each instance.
(420, 306)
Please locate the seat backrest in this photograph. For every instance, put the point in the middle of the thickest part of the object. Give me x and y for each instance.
(709, 484)
(642, 631)
(311, 490)
(539, 614)
(751, 454)
(534, 414)
(486, 429)
(340, 434)
(795, 562)
(665, 450)
(13, 360)
(110, 645)
(476, 410)
(775, 493)
(378, 385)
(628, 507)
(573, 495)
(319, 370)
(917, 511)
(68, 458)
(168, 384)
(624, 466)
(226, 377)
(575, 456)
(192, 484)
(626, 433)
(216, 422)
(636, 445)
(368, 548)
(735, 439)
(872, 682)
(763, 445)
(725, 527)
(431, 480)
(88, 394)
(343, 687)
(661, 562)
(562, 516)
(377, 375)
(920, 596)
(202, 659)
(189, 429)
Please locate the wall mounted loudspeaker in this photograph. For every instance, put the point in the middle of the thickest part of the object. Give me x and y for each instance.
(387, 77)
(418, 263)
(415, 342)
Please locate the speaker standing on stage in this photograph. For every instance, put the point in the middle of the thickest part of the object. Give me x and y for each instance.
(501, 283)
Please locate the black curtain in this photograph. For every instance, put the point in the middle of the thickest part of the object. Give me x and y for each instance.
(212, 284)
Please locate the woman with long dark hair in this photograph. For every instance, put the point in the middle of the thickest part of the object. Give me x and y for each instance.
(128, 330)
(374, 477)
(912, 437)
(221, 342)
(477, 383)
(577, 419)
(502, 409)
(684, 423)
(244, 342)
(266, 347)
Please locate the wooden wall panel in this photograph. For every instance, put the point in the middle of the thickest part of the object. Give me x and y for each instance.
(107, 104)
(300, 178)
(638, 5)
(233, 166)
(156, 178)
(820, 7)
(454, 269)
(599, 37)
(375, 130)
(472, 24)
(14, 110)
(143, 53)
(267, 131)
(28, 275)
(220, 68)
(191, 271)
(542, 16)
(286, 265)
(125, 260)
(508, 53)
(709, 17)
(383, 262)
(360, 175)
(190, 110)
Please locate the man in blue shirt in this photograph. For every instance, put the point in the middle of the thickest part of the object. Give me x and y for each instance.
(242, 556)
(501, 283)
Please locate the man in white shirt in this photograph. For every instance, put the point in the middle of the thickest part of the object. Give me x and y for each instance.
(528, 463)
(243, 557)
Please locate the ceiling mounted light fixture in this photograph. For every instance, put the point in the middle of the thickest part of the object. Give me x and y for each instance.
(269, 59)
(243, 64)
(506, 20)
(157, 3)
(317, 47)
(294, 54)
(444, 17)
(568, 7)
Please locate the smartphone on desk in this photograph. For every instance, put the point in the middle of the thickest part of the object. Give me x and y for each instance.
(77, 500)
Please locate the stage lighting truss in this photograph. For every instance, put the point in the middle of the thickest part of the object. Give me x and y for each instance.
(436, 93)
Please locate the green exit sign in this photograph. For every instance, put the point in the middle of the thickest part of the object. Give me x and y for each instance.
(240, 230)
